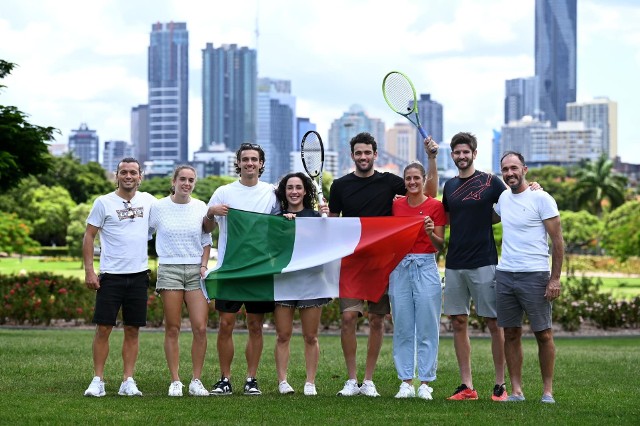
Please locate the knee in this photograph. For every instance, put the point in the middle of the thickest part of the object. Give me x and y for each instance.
(310, 339)
(255, 328)
(172, 331)
(199, 332)
(283, 337)
(492, 325)
(511, 335)
(376, 322)
(349, 320)
(459, 322)
(544, 337)
(225, 327)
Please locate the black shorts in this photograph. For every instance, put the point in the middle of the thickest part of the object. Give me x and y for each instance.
(232, 306)
(129, 291)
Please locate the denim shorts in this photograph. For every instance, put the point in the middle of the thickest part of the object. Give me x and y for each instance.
(128, 291)
(178, 277)
(302, 304)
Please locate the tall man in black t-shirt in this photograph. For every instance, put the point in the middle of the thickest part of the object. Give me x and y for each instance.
(471, 261)
(366, 192)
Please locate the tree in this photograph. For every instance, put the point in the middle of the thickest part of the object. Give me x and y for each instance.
(556, 181)
(83, 181)
(14, 235)
(76, 228)
(47, 211)
(23, 150)
(597, 183)
(621, 236)
(579, 230)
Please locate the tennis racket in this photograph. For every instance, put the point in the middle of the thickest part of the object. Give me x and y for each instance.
(401, 97)
(312, 154)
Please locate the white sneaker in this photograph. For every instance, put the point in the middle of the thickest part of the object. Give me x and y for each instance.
(310, 389)
(96, 388)
(175, 388)
(350, 388)
(368, 389)
(129, 388)
(424, 391)
(285, 388)
(196, 388)
(406, 391)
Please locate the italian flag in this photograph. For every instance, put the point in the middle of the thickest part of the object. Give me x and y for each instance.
(272, 258)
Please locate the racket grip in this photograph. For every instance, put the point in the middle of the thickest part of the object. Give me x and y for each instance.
(424, 135)
(321, 202)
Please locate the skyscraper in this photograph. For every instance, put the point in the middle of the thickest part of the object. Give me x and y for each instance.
(140, 132)
(84, 144)
(276, 118)
(169, 92)
(229, 92)
(114, 152)
(521, 98)
(431, 117)
(555, 51)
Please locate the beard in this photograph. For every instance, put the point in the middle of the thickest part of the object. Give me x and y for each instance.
(469, 164)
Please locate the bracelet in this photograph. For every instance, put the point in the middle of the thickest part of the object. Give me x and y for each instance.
(204, 266)
(212, 219)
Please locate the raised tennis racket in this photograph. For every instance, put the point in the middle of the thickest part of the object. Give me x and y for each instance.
(312, 153)
(401, 97)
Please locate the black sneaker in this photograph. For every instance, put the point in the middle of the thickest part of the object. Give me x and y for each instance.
(251, 387)
(223, 387)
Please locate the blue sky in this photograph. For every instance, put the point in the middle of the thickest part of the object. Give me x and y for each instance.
(83, 61)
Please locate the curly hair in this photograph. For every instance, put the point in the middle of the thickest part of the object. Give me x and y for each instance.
(464, 138)
(309, 199)
(365, 138)
(250, 146)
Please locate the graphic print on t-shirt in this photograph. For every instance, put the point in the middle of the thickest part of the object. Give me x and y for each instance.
(473, 188)
(130, 213)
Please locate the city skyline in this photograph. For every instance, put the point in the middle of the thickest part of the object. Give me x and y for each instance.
(94, 70)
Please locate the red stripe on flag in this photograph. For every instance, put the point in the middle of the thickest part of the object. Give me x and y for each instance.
(383, 244)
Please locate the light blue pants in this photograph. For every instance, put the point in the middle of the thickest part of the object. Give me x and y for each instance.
(416, 303)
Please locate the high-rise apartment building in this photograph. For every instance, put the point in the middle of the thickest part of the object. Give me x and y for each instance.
(521, 98)
(140, 132)
(229, 93)
(169, 92)
(600, 113)
(555, 56)
(84, 144)
(567, 144)
(277, 124)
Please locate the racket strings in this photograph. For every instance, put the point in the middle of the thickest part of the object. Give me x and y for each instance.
(399, 93)
(312, 155)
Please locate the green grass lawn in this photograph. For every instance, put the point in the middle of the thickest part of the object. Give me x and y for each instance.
(43, 374)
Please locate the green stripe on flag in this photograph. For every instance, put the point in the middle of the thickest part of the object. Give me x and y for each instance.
(258, 246)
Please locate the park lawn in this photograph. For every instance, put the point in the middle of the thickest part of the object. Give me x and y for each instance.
(43, 374)
(66, 267)
(626, 287)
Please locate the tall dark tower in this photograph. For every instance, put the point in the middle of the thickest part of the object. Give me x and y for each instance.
(169, 92)
(556, 56)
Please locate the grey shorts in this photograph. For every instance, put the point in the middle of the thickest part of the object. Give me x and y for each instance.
(520, 293)
(381, 307)
(462, 285)
(178, 277)
(302, 304)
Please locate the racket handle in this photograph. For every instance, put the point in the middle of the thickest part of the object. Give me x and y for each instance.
(424, 135)
(321, 202)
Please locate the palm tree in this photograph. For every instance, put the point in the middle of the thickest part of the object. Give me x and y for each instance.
(597, 182)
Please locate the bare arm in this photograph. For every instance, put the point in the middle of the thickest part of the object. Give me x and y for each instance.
(204, 260)
(495, 218)
(435, 233)
(209, 220)
(90, 277)
(554, 229)
(431, 188)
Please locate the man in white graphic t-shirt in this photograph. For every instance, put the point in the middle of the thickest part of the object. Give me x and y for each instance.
(122, 218)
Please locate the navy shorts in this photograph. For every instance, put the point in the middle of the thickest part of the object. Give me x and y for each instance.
(232, 306)
(126, 291)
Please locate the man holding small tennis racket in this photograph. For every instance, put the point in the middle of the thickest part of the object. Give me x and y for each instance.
(364, 193)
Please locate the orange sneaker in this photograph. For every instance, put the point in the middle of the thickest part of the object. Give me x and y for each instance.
(462, 393)
(500, 393)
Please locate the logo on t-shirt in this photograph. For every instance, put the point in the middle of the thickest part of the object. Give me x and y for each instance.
(130, 213)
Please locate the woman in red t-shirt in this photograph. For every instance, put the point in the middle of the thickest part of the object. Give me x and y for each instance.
(415, 291)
